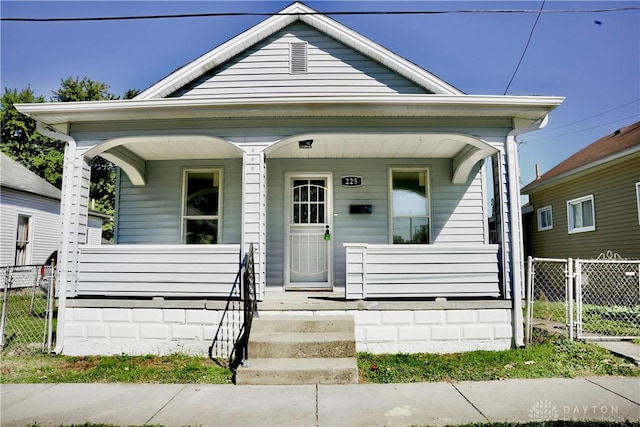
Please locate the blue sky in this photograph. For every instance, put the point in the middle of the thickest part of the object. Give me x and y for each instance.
(592, 59)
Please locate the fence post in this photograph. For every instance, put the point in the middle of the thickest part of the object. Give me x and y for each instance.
(529, 289)
(569, 293)
(5, 297)
(578, 298)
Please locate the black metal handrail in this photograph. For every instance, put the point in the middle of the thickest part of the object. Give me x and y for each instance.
(232, 337)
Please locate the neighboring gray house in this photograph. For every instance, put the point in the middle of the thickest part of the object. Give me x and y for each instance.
(589, 203)
(351, 170)
(29, 215)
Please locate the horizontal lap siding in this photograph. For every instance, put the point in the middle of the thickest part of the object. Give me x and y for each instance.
(168, 271)
(45, 225)
(457, 210)
(617, 229)
(152, 213)
(422, 272)
(263, 70)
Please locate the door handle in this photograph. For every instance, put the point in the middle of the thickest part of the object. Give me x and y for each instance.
(327, 234)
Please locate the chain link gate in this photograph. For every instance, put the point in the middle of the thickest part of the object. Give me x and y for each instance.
(589, 299)
(608, 298)
(26, 319)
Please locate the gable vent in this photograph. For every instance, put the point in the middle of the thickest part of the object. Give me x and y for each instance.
(298, 57)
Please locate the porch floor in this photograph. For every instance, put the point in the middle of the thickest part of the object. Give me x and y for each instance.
(335, 300)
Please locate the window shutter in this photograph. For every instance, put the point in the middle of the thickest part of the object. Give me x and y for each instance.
(298, 57)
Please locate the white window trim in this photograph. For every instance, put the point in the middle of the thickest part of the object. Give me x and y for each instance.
(427, 178)
(184, 216)
(638, 199)
(29, 239)
(540, 212)
(570, 214)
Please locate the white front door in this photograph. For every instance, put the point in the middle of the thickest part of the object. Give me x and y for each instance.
(308, 232)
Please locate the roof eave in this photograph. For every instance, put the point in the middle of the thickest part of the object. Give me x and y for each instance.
(538, 184)
(526, 107)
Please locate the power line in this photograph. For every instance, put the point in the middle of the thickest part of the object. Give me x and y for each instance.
(587, 118)
(233, 14)
(586, 129)
(524, 52)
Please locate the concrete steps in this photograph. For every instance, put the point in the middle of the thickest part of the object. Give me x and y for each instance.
(301, 350)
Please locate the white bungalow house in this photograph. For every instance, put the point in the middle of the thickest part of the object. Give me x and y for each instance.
(351, 170)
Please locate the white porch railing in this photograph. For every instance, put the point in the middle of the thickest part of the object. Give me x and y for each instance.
(428, 271)
(157, 270)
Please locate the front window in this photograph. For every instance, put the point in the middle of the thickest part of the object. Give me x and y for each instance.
(23, 236)
(545, 218)
(581, 215)
(202, 206)
(410, 217)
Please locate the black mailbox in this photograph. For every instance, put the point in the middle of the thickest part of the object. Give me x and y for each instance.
(360, 209)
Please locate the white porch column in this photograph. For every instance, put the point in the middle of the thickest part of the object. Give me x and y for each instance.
(254, 211)
(74, 211)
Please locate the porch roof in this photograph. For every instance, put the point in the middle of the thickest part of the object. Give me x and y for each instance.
(61, 115)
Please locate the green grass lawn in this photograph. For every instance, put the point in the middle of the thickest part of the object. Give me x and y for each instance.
(549, 356)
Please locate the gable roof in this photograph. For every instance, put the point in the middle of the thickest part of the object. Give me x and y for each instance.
(17, 177)
(296, 12)
(620, 143)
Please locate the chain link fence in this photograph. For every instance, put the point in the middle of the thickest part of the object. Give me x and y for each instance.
(26, 319)
(547, 294)
(608, 298)
(588, 299)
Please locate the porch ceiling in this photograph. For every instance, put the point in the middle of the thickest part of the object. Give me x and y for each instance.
(397, 145)
(464, 150)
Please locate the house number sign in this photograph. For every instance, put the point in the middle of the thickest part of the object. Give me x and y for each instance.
(351, 181)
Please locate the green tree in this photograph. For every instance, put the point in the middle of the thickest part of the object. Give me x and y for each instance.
(45, 156)
(21, 142)
(103, 172)
(74, 89)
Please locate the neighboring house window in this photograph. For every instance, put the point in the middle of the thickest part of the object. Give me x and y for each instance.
(410, 213)
(202, 206)
(581, 214)
(23, 237)
(545, 218)
(638, 199)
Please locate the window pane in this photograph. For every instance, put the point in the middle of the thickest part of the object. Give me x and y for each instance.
(202, 193)
(202, 231)
(410, 230)
(587, 213)
(577, 215)
(409, 193)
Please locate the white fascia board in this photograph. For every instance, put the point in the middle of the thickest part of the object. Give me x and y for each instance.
(384, 56)
(215, 57)
(287, 16)
(525, 107)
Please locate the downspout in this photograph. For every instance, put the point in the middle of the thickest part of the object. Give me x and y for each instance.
(515, 218)
(63, 262)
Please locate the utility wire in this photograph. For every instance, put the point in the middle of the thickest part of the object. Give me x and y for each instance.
(586, 129)
(407, 12)
(587, 118)
(524, 52)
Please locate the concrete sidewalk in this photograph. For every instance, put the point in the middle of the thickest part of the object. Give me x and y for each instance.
(594, 398)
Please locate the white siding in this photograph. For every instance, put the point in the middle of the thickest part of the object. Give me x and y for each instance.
(152, 213)
(45, 225)
(379, 271)
(457, 210)
(162, 271)
(264, 70)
